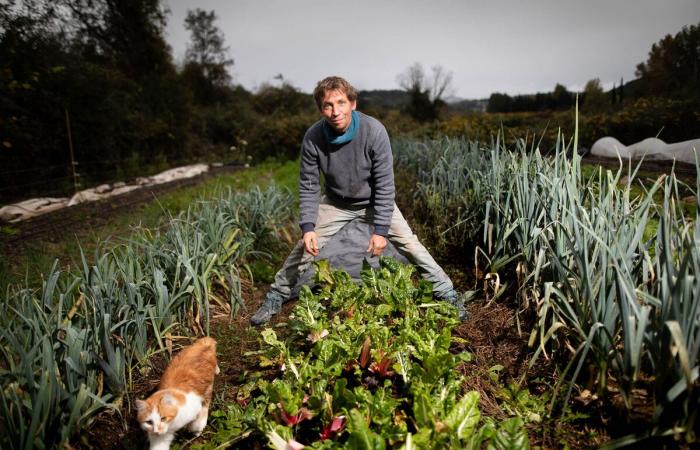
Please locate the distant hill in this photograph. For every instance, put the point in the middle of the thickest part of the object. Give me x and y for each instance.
(397, 99)
(468, 105)
(383, 98)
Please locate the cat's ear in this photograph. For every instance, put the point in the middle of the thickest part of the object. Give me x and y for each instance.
(141, 405)
(168, 400)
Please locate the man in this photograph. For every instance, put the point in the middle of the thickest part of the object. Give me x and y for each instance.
(353, 152)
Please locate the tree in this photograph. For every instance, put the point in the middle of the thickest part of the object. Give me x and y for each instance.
(621, 94)
(129, 33)
(499, 103)
(673, 66)
(284, 99)
(594, 98)
(32, 116)
(561, 97)
(207, 49)
(426, 94)
(30, 19)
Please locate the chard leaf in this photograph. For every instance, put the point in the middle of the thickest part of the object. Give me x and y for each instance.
(361, 436)
(423, 439)
(383, 310)
(343, 397)
(424, 293)
(368, 276)
(511, 436)
(389, 263)
(270, 338)
(465, 415)
(324, 274)
(422, 410)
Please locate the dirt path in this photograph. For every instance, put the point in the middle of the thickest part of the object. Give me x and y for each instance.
(98, 212)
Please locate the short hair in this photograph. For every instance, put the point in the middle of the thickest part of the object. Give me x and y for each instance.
(333, 84)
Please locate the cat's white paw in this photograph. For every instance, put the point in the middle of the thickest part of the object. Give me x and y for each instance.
(198, 425)
(160, 442)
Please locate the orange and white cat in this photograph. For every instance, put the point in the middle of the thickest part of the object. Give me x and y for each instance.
(183, 395)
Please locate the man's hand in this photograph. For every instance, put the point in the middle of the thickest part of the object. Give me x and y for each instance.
(377, 244)
(311, 242)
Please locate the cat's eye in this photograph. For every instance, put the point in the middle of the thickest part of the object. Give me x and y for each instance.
(166, 419)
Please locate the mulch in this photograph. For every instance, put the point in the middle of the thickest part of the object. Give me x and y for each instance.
(96, 213)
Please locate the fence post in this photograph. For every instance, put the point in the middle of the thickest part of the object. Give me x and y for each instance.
(72, 156)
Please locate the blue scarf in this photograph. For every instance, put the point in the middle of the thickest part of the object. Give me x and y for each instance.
(334, 138)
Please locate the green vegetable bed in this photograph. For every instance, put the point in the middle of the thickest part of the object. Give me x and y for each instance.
(365, 366)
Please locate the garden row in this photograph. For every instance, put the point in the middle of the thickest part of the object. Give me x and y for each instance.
(368, 366)
(69, 348)
(609, 267)
(608, 261)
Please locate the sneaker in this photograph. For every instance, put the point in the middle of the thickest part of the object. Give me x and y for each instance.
(457, 300)
(271, 306)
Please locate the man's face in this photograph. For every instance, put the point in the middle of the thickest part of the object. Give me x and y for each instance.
(337, 109)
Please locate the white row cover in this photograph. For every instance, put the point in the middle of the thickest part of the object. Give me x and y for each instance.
(17, 212)
(649, 149)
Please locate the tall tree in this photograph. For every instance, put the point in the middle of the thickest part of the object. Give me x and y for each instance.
(207, 46)
(499, 103)
(427, 93)
(673, 66)
(613, 95)
(125, 40)
(561, 97)
(594, 98)
(621, 95)
(127, 32)
(32, 121)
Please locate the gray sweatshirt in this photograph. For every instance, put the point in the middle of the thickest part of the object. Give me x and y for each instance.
(357, 174)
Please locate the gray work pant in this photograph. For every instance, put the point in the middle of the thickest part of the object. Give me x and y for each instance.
(331, 219)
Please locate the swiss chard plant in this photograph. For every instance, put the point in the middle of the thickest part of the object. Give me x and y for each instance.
(365, 366)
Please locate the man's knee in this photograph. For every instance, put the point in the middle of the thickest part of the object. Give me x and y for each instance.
(404, 240)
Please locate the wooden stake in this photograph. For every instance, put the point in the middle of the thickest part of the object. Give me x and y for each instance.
(72, 156)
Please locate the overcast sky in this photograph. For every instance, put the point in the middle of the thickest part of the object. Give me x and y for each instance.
(512, 46)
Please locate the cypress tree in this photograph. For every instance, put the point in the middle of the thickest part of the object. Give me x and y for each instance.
(621, 94)
(613, 94)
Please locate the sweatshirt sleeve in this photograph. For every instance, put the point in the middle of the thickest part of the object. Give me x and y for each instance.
(383, 176)
(309, 185)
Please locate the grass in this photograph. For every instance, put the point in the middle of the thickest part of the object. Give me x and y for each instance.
(25, 264)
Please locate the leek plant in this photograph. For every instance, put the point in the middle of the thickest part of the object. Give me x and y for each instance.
(67, 349)
(609, 295)
(673, 337)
